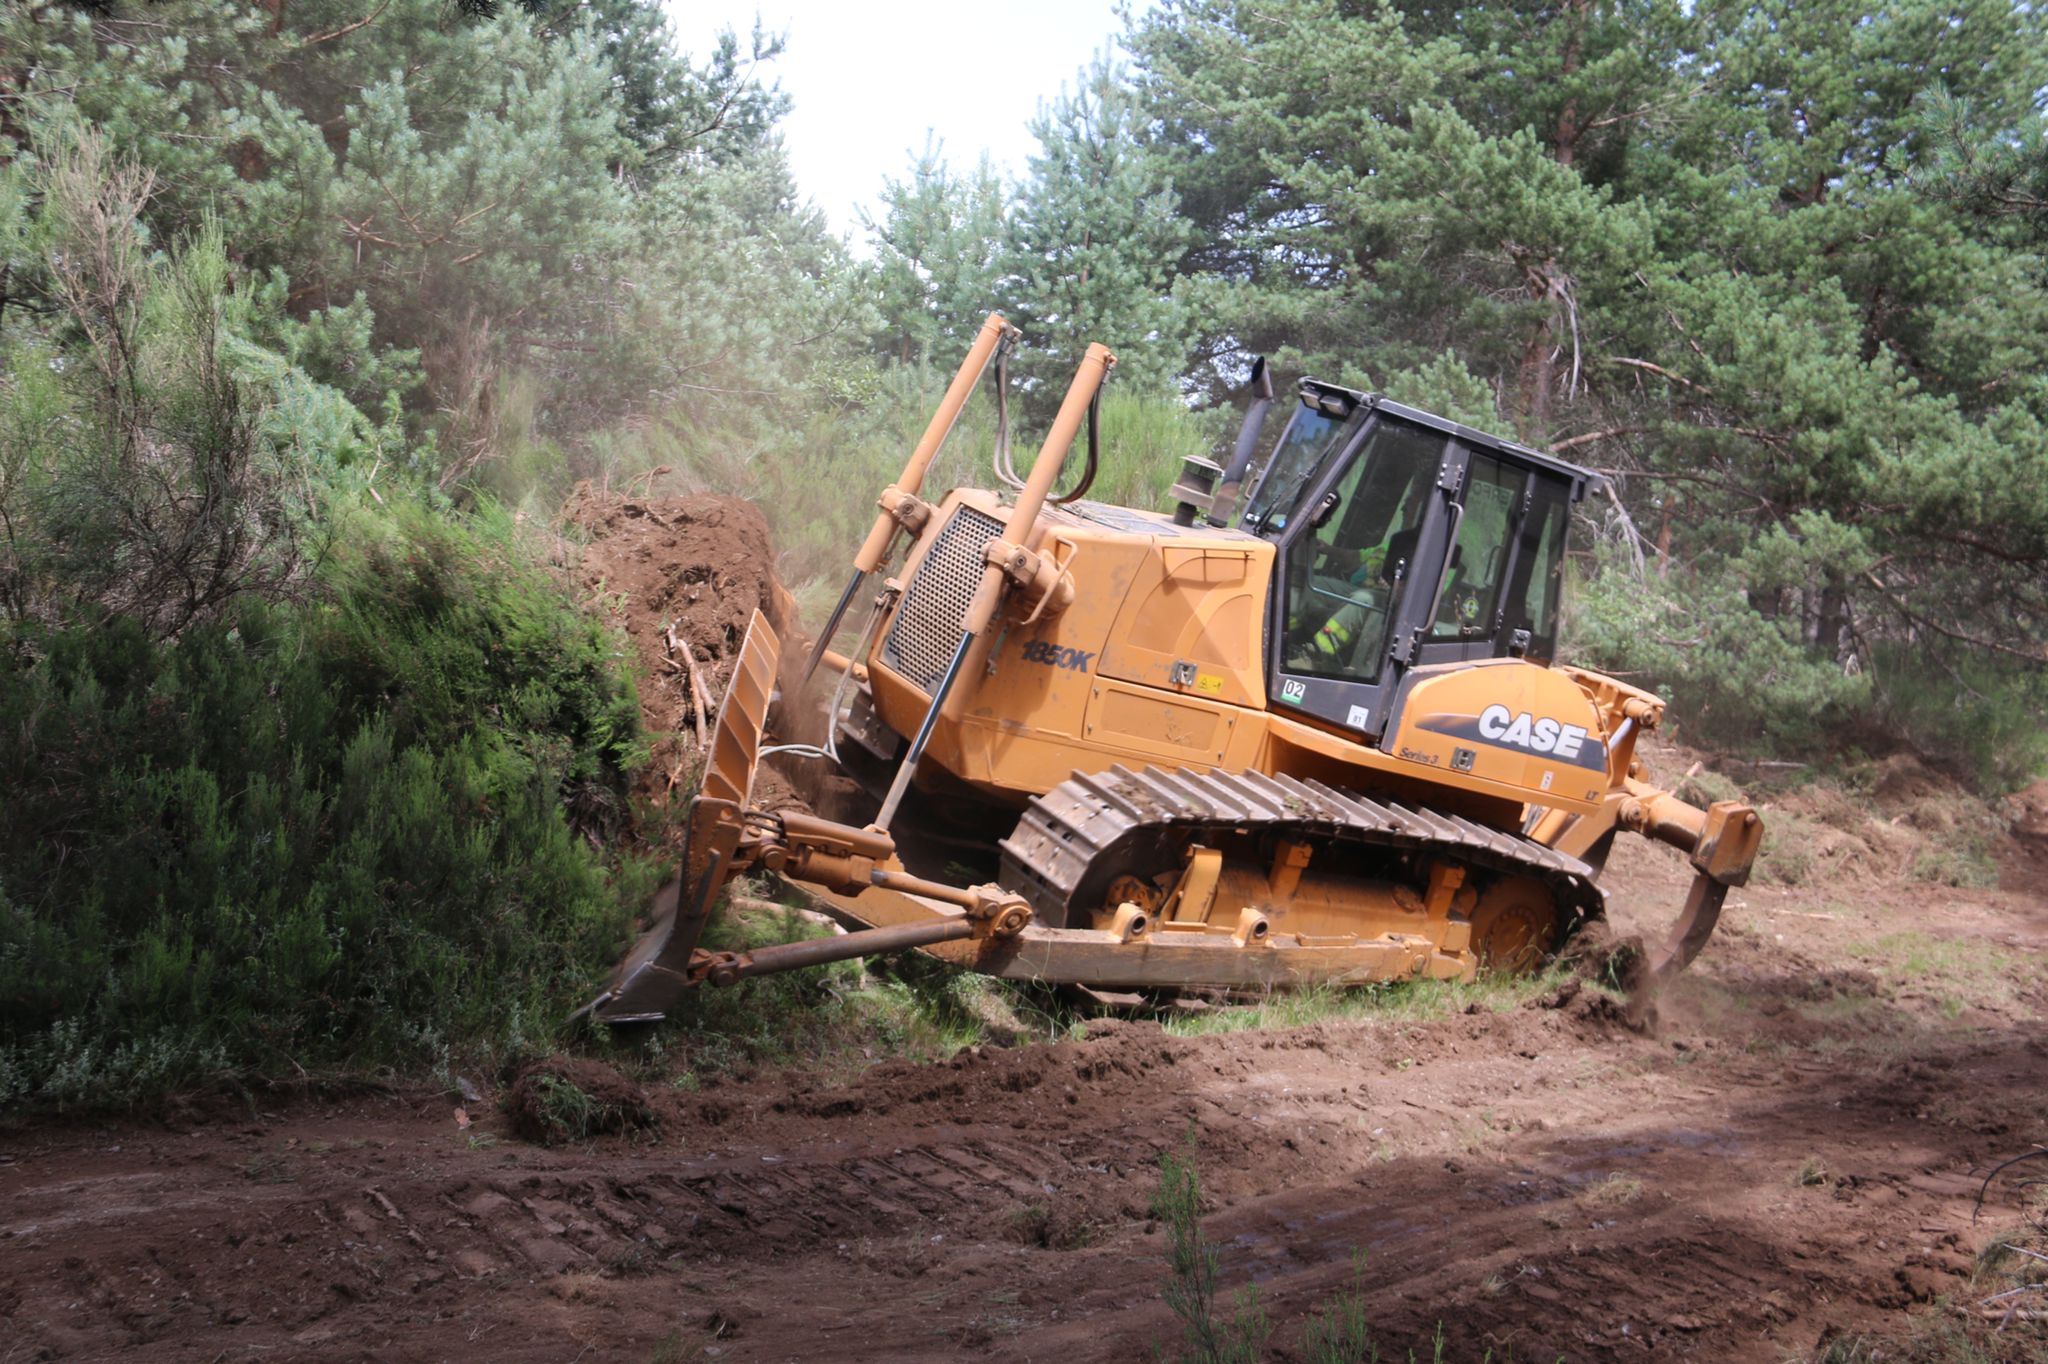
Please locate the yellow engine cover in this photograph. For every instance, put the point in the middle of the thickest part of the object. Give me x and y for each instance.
(1160, 660)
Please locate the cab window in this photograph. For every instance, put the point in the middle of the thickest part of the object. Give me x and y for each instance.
(1297, 459)
(1471, 597)
(1343, 578)
(1533, 594)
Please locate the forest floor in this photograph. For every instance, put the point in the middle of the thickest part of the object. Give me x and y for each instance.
(1788, 1159)
(1792, 1154)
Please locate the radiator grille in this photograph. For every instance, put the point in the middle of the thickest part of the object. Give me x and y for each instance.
(927, 628)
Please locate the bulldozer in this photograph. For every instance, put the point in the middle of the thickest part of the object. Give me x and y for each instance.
(1305, 728)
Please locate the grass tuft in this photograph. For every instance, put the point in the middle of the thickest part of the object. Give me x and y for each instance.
(1397, 1001)
(1617, 1190)
(1340, 1331)
(1961, 868)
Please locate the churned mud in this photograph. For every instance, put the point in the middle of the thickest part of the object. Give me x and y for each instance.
(680, 576)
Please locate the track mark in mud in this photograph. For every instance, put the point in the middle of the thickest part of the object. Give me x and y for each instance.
(551, 1224)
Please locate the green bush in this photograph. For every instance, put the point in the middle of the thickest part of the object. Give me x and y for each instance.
(1987, 726)
(1736, 679)
(339, 834)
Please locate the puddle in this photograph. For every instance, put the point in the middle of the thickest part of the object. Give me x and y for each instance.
(1340, 1233)
(1595, 1160)
(1571, 1168)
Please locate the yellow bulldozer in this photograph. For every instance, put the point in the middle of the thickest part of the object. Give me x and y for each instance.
(1324, 745)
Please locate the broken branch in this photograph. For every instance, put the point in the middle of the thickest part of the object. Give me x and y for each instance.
(700, 695)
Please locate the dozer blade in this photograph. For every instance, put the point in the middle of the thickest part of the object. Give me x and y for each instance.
(655, 973)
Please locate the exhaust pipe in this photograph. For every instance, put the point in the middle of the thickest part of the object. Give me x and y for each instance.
(1231, 484)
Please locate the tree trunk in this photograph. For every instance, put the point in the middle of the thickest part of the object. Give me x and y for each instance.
(1565, 140)
(1548, 281)
(1551, 287)
(1831, 619)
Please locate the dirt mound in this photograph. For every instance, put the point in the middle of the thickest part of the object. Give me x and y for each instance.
(2029, 856)
(677, 573)
(1876, 822)
(566, 1099)
(1599, 954)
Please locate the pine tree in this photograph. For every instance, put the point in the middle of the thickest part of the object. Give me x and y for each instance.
(1094, 237)
(1685, 244)
(483, 214)
(939, 256)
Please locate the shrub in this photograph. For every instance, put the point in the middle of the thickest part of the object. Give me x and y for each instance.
(1986, 726)
(1209, 1338)
(1340, 1331)
(328, 834)
(138, 472)
(1735, 678)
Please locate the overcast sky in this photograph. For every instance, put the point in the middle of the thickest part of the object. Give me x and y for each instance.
(869, 79)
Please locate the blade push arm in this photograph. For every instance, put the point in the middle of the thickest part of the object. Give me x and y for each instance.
(843, 859)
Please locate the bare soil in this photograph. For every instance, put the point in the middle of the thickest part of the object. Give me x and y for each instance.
(2026, 859)
(1543, 1182)
(676, 572)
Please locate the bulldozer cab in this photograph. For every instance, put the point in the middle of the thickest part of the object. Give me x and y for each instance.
(1405, 540)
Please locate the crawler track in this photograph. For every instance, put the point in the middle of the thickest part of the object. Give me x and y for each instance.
(1073, 839)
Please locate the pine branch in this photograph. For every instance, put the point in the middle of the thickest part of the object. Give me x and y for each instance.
(346, 29)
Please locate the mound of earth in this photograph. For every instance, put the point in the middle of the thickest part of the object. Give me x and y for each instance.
(675, 574)
(567, 1099)
(1875, 823)
(2030, 835)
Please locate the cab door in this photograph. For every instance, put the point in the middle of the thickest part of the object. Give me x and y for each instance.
(1500, 589)
(1361, 557)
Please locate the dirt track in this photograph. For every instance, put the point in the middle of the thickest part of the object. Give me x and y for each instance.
(1543, 1180)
